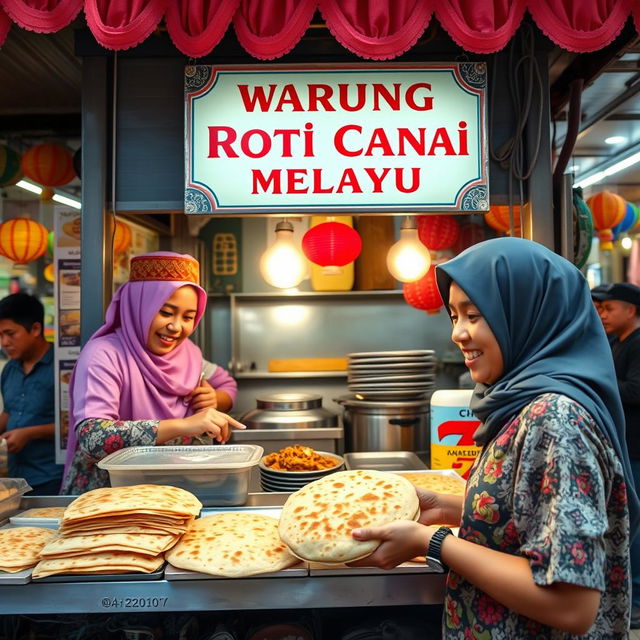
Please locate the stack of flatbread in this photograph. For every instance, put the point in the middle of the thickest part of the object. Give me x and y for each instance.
(316, 521)
(119, 530)
(438, 482)
(20, 547)
(234, 545)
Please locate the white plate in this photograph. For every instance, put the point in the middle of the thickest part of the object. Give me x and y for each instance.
(376, 354)
(397, 360)
(388, 395)
(376, 386)
(391, 365)
(391, 378)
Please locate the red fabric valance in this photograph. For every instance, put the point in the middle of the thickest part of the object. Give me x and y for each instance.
(372, 29)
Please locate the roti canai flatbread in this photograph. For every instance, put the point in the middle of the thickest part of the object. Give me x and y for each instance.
(234, 544)
(438, 482)
(62, 546)
(20, 547)
(153, 498)
(43, 512)
(316, 521)
(99, 563)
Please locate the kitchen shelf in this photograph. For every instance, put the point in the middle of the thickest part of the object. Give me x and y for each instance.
(290, 374)
(275, 295)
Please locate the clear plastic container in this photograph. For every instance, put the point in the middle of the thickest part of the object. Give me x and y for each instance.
(11, 492)
(217, 475)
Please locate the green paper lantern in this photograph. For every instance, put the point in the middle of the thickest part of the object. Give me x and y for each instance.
(10, 171)
(50, 243)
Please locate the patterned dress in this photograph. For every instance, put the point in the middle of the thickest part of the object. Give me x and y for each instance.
(548, 487)
(97, 438)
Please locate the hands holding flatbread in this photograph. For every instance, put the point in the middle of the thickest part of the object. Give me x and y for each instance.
(403, 540)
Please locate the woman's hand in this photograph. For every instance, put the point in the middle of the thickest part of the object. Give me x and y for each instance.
(439, 508)
(216, 424)
(400, 541)
(202, 397)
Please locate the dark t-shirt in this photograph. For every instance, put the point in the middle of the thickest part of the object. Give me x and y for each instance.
(29, 400)
(626, 357)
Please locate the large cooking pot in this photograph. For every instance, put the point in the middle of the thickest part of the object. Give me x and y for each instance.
(289, 411)
(385, 426)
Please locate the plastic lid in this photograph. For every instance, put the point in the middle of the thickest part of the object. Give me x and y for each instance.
(183, 457)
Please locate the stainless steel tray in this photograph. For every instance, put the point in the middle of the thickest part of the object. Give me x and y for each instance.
(106, 577)
(384, 461)
(299, 570)
(20, 577)
(316, 569)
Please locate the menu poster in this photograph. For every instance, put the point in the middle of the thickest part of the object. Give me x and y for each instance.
(66, 287)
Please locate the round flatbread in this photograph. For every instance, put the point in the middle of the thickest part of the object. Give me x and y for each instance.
(20, 546)
(316, 521)
(234, 545)
(43, 512)
(438, 482)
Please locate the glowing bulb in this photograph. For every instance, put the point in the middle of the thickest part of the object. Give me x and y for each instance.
(282, 265)
(408, 259)
(626, 243)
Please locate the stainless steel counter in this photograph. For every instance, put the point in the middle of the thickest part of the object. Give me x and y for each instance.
(312, 591)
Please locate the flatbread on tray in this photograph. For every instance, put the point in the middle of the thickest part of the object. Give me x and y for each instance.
(64, 546)
(20, 547)
(98, 563)
(43, 512)
(438, 482)
(316, 521)
(233, 544)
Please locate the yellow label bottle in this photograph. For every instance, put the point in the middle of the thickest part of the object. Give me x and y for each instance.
(342, 281)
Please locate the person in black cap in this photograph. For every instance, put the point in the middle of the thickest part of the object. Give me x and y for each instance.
(620, 315)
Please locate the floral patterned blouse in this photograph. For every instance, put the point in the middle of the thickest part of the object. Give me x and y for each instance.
(97, 438)
(548, 487)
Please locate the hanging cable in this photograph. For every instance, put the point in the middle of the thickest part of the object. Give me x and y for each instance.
(526, 90)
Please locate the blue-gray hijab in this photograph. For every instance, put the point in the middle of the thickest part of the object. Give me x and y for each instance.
(539, 308)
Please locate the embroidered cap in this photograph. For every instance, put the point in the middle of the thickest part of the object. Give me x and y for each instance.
(151, 266)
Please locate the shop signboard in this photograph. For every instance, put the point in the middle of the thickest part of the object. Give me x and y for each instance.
(346, 138)
(66, 260)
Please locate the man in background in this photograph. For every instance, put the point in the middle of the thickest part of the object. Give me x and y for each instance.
(620, 315)
(27, 385)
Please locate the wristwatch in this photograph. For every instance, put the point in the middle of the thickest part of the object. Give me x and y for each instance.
(434, 560)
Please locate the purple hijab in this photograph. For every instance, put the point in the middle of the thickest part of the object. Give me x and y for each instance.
(146, 386)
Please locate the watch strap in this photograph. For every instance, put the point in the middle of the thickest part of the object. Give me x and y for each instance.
(434, 550)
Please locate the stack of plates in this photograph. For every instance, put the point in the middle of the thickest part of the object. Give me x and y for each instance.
(385, 375)
(273, 480)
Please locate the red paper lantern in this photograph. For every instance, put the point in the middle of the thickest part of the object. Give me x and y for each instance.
(22, 240)
(423, 294)
(122, 237)
(438, 232)
(331, 245)
(608, 210)
(470, 234)
(498, 218)
(50, 165)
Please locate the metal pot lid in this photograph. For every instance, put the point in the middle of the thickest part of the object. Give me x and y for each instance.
(353, 401)
(289, 401)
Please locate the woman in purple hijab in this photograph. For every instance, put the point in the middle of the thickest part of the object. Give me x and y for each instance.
(138, 380)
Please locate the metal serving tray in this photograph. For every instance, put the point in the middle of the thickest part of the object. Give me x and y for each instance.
(20, 577)
(384, 461)
(105, 577)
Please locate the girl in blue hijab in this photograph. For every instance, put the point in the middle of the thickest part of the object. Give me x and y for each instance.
(543, 545)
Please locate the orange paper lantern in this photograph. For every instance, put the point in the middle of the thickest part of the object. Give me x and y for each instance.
(438, 232)
(122, 237)
(607, 210)
(498, 218)
(50, 165)
(49, 273)
(22, 240)
(423, 294)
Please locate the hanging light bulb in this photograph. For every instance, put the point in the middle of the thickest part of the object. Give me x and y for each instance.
(408, 259)
(282, 265)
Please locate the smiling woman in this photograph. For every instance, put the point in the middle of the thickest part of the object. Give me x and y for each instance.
(138, 379)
